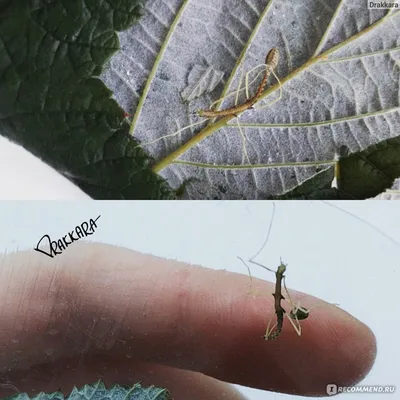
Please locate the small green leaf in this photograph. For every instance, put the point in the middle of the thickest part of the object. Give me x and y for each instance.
(362, 175)
(98, 391)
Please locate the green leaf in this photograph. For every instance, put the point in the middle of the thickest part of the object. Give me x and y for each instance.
(52, 104)
(362, 175)
(339, 69)
(98, 391)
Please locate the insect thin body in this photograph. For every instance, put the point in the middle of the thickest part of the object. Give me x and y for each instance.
(279, 310)
(271, 61)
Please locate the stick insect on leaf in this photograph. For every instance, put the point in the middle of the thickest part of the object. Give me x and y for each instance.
(271, 62)
(270, 65)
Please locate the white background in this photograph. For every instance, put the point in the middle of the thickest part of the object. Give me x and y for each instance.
(329, 253)
(25, 177)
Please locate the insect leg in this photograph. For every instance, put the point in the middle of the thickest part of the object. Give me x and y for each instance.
(247, 84)
(296, 306)
(172, 134)
(262, 266)
(256, 292)
(269, 331)
(239, 87)
(244, 149)
(289, 299)
(296, 328)
(273, 101)
(241, 90)
(248, 270)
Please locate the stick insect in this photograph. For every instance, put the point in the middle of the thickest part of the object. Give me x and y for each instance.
(279, 310)
(271, 62)
(297, 313)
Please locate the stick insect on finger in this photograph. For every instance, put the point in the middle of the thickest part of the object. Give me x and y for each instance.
(279, 310)
(297, 313)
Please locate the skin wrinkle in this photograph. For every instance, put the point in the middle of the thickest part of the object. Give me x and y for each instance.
(218, 332)
(20, 301)
(110, 327)
(56, 295)
(182, 298)
(153, 284)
